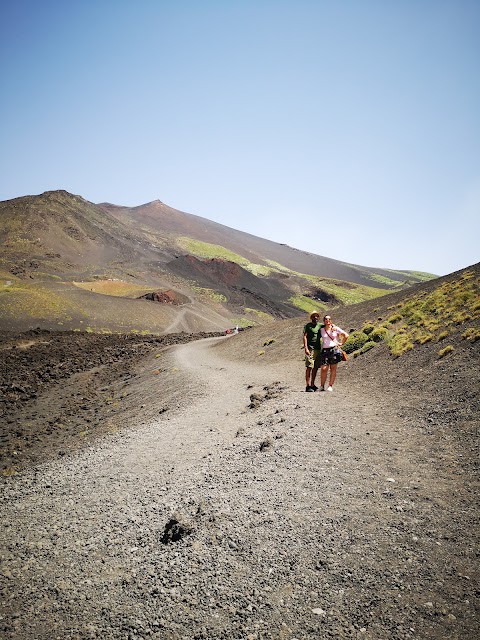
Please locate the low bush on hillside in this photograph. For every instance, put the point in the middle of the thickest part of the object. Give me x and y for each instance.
(471, 334)
(443, 352)
(396, 317)
(368, 327)
(355, 341)
(423, 318)
(400, 344)
(367, 346)
(379, 334)
(424, 337)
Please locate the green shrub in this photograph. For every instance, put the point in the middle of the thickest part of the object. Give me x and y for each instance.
(379, 334)
(443, 352)
(461, 317)
(442, 336)
(425, 337)
(471, 334)
(417, 318)
(400, 344)
(355, 341)
(267, 342)
(367, 346)
(368, 327)
(395, 318)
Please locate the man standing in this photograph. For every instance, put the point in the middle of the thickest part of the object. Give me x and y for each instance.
(311, 345)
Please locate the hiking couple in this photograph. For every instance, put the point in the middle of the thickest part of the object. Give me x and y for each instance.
(321, 343)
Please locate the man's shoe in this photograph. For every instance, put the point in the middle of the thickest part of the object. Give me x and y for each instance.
(314, 387)
(309, 389)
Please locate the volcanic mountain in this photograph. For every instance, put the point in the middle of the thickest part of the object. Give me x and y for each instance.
(72, 264)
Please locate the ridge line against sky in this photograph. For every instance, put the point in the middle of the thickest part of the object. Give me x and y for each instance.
(346, 129)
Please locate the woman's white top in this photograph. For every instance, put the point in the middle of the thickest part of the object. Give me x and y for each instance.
(334, 332)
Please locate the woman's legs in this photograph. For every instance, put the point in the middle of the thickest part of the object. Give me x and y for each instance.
(323, 374)
(333, 373)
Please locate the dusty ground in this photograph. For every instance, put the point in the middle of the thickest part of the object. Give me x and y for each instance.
(216, 499)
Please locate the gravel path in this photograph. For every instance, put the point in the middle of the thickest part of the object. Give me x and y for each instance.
(246, 510)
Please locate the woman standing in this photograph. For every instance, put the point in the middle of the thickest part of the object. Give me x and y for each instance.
(332, 338)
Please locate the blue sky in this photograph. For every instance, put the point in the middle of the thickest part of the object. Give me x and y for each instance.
(346, 128)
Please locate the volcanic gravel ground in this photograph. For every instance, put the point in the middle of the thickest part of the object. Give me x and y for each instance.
(236, 506)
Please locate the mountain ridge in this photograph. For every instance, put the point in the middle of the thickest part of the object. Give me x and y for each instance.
(56, 242)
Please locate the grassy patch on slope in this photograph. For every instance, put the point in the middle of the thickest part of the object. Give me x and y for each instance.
(207, 250)
(118, 288)
(27, 300)
(425, 317)
(347, 293)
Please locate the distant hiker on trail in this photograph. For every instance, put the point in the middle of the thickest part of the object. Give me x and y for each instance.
(311, 345)
(332, 339)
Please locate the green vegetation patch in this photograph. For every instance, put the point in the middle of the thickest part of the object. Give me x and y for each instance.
(472, 334)
(306, 304)
(242, 322)
(368, 327)
(355, 341)
(418, 275)
(367, 346)
(399, 344)
(209, 294)
(112, 287)
(443, 352)
(346, 292)
(392, 284)
(423, 318)
(33, 300)
(262, 315)
(378, 334)
(207, 250)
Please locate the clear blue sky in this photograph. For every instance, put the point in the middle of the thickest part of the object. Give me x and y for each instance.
(348, 128)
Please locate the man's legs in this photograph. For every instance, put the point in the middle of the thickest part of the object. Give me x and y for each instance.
(308, 372)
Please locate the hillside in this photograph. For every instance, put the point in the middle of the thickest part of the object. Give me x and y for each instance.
(70, 264)
(423, 331)
(160, 217)
(195, 490)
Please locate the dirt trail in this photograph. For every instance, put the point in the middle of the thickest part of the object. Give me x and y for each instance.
(298, 516)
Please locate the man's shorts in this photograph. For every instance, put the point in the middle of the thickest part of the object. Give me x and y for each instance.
(311, 360)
